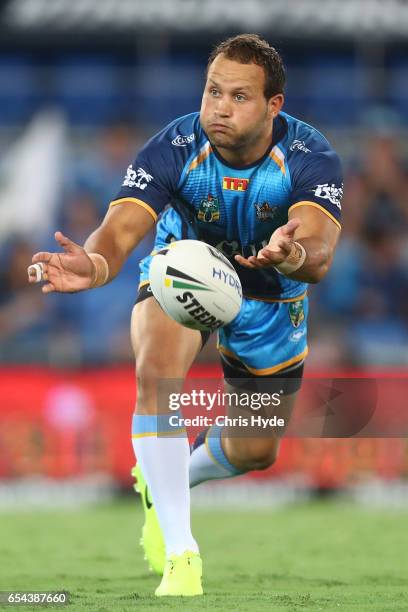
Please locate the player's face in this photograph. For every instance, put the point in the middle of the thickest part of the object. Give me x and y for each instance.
(234, 111)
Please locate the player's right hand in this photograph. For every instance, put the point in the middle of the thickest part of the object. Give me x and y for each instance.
(67, 272)
(276, 251)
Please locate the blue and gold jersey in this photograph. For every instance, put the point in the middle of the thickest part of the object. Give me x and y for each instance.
(180, 178)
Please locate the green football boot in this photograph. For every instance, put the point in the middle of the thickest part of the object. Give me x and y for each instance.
(182, 576)
(151, 540)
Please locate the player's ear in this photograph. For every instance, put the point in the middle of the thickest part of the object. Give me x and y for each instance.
(275, 104)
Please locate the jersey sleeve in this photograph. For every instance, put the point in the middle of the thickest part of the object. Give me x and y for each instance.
(153, 177)
(319, 180)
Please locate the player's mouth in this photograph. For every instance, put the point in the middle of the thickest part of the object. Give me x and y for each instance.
(220, 127)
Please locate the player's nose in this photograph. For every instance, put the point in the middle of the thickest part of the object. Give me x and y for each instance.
(223, 108)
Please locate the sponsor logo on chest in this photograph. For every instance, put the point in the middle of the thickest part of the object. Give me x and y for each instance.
(231, 183)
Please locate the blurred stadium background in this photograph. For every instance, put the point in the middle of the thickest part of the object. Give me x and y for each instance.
(82, 85)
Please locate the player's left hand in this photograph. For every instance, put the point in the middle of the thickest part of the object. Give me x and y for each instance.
(276, 251)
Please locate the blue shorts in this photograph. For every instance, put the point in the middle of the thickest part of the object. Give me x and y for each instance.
(266, 337)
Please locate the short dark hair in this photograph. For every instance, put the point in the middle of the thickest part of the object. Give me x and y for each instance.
(252, 49)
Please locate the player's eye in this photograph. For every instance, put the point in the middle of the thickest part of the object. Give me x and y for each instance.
(240, 97)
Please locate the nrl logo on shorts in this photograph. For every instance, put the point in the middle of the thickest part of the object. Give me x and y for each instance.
(265, 212)
(296, 313)
(209, 209)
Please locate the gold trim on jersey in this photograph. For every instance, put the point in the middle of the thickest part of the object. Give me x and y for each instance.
(324, 210)
(278, 157)
(136, 201)
(202, 156)
(278, 300)
(265, 371)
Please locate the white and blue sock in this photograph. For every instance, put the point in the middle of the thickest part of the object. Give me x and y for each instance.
(163, 454)
(208, 460)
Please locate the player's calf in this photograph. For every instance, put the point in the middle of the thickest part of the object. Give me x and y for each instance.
(255, 445)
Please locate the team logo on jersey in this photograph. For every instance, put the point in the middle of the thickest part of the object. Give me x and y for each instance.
(296, 313)
(330, 192)
(299, 145)
(182, 141)
(235, 184)
(136, 178)
(265, 212)
(209, 209)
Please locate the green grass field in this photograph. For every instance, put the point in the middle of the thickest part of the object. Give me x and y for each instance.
(316, 556)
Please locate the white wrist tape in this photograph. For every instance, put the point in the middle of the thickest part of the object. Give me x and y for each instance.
(294, 260)
(101, 269)
(38, 268)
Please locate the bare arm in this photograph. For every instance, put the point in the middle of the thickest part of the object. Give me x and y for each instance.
(73, 270)
(314, 230)
(123, 227)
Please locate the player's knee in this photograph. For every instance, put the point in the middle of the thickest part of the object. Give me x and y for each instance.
(262, 459)
(256, 456)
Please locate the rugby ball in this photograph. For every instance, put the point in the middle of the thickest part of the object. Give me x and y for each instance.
(195, 285)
